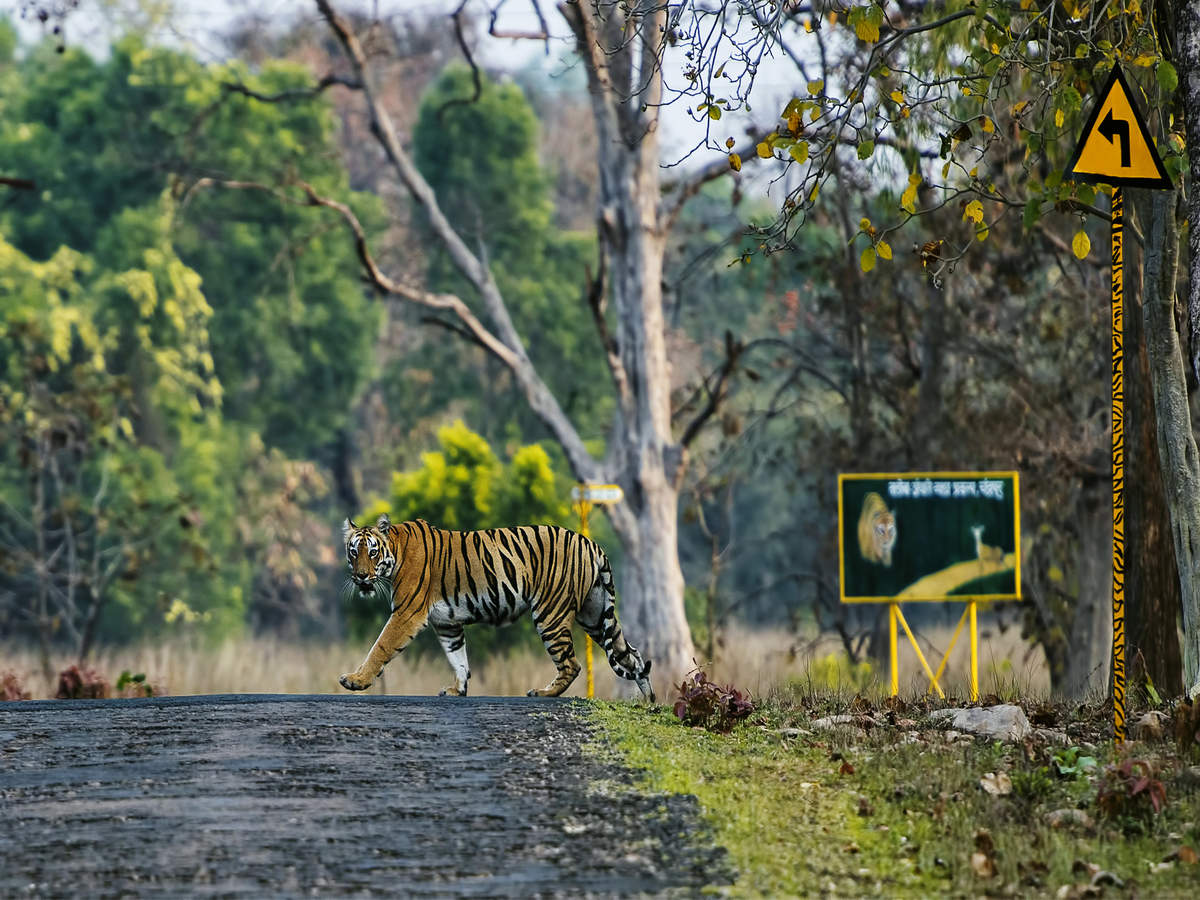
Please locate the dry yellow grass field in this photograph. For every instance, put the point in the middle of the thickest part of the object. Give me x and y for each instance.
(760, 661)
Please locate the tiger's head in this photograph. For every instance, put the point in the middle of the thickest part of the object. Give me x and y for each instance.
(370, 555)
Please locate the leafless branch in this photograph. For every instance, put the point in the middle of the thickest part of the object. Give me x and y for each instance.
(506, 340)
(295, 93)
(475, 79)
(716, 392)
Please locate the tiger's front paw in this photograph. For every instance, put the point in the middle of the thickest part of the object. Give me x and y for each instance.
(451, 691)
(352, 682)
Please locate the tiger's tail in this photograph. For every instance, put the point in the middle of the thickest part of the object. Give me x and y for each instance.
(624, 658)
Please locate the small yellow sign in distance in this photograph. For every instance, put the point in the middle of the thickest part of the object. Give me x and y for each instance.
(598, 493)
(1116, 147)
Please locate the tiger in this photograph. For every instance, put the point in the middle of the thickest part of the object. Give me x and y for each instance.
(876, 530)
(449, 579)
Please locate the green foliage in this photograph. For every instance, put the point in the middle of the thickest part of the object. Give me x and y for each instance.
(290, 324)
(464, 486)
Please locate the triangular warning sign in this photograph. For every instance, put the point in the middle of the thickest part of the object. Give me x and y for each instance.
(1116, 147)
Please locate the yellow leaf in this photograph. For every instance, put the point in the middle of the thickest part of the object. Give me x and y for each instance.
(763, 150)
(735, 162)
(794, 123)
(799, 151)
(974, 171)
(1059, 118)
(816, 86)
(728, 143)
(1080, 244)
(973, 212)
(1145, 60)
(988, 125)
(884, 249)
(867, 260)
(908, 200)
(981, 233)
(898, 96)
(714, 111)
(1019, 107)
(867, 30)
(864, 224)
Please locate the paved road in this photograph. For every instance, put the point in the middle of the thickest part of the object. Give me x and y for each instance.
(333, 796)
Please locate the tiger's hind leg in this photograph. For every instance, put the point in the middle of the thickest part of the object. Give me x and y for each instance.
(599, 619)
(454, 644)
(556, 635)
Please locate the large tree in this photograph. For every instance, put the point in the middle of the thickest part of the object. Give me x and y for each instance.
(620, 46)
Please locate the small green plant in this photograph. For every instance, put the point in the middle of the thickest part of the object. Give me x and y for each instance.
(1130, 794)
(11, 687)
(1033, 785)
(1072, 763)
(134, 685)
(710, 705)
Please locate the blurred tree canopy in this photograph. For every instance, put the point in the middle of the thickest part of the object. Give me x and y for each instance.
(156, 343)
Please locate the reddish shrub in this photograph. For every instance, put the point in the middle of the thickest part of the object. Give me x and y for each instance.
(11, 688)
(711, 705)
(81, 684)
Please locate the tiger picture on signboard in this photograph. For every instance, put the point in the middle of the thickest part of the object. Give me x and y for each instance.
(876, 530)
(450, 579)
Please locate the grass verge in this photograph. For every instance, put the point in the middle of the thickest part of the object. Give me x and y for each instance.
(890, 805)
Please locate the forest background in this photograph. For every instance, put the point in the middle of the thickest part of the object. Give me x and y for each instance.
(196, 386)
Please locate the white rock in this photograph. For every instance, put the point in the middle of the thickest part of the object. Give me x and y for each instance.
(1005, 722)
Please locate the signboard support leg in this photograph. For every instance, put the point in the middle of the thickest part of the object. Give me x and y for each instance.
(974, 652)
(1118, 466)
(917, 649)
(893, 609)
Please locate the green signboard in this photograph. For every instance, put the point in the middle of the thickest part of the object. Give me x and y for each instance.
(934, 536)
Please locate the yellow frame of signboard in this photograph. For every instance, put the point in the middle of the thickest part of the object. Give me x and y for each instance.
(895, 616)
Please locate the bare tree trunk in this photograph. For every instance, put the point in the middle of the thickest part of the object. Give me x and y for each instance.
(1151, 576)
(1183, 484)
(1178, 457)
(1086, 669)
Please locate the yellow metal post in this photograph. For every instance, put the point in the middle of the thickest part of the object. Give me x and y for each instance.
(920, 656)
(894, 648)
(1118, 467)
(974, 653)
(584, 507)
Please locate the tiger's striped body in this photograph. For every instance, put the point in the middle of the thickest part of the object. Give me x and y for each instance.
(450, 579)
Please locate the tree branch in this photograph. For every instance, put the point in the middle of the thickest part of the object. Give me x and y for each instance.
(597, 290)
(716, 394)
(506, 338)
(294, 94)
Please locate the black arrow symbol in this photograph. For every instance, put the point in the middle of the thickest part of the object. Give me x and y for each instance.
(1110, 128)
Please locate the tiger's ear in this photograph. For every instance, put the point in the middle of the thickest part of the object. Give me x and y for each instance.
(384, 523)
(347, 527)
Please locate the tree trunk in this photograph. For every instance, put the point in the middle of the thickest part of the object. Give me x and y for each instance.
(1086, 669)
(1178, 457)
(1151, 576)
(620, 54)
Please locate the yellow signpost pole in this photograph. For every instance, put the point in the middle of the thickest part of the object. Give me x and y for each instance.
(587, 496)
(1118, 466)
(974, 653)
(584, 507)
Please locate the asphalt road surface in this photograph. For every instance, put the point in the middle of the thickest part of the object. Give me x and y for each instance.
(333, 796)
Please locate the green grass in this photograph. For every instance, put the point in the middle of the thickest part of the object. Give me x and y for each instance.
(849, 814)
